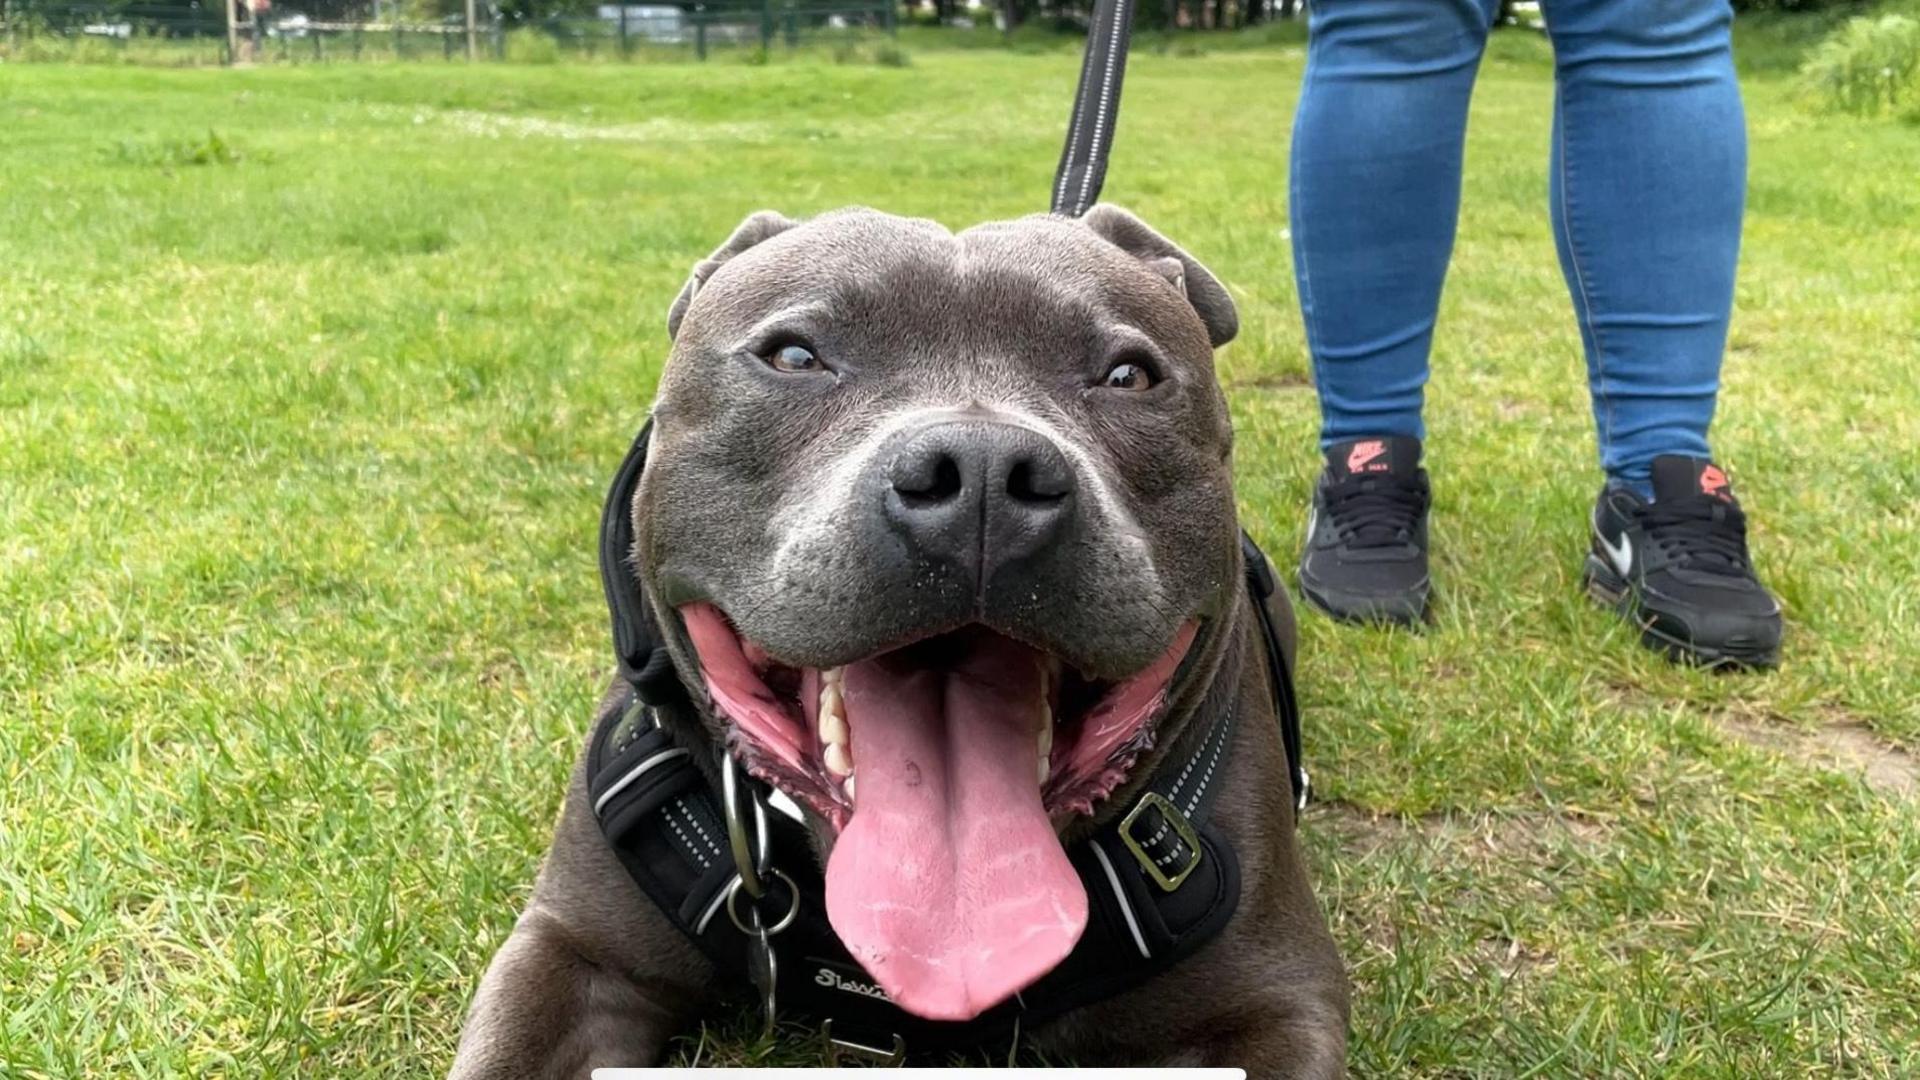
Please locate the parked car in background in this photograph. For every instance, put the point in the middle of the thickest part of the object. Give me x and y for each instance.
(652, 22)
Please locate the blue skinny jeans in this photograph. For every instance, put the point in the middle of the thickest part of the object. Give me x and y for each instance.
(1646, 183)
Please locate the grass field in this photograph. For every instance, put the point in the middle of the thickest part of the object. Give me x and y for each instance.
(311, 380)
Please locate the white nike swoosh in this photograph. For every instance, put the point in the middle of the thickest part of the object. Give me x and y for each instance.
(1620, 554)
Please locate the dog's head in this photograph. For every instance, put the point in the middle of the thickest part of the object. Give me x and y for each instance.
(943, 525)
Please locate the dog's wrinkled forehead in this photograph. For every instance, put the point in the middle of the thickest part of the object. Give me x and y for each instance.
(902, 280)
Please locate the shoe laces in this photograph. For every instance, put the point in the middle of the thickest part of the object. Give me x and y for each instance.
(1375, 511)
(1698, 532)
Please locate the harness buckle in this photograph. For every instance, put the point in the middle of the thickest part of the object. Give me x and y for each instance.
(888, 1058)
(1182, 830)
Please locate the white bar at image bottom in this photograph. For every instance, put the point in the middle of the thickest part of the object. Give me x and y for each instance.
(982, 1073)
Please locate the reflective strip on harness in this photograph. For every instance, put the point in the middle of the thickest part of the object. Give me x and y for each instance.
(636, 773)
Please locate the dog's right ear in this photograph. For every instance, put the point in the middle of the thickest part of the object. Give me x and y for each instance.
(759, 226)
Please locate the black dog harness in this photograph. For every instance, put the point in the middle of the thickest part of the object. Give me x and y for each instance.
(1160, 882)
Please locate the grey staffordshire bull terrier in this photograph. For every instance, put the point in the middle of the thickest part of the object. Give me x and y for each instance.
(943, 527)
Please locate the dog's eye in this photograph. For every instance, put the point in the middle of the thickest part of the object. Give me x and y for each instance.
(1129, 376)
(793, 359)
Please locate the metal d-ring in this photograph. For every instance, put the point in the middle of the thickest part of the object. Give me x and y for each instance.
(751, 864)
(793, 905)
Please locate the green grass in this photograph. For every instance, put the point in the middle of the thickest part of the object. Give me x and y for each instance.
(311, 379)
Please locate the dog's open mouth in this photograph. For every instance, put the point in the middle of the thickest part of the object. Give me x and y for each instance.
(944, 766)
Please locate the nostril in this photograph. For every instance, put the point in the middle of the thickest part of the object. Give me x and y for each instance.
(1028, 484)
(937, 480)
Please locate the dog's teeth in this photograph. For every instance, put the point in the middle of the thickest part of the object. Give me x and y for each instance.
(833, 729)
(833, 721)
(833, 724)
(839, 762)
(848, 787)
(1046, 742)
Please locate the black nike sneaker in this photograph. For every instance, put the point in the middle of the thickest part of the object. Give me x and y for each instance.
(1678, 567)
(1366, 557)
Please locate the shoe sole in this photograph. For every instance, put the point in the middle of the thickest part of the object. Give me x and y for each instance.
(1371, 617)
(1608, 589)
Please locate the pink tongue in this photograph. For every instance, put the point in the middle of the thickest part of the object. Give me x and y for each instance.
(949, 884)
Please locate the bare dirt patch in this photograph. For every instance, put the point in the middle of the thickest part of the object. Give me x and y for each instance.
(1841, 743)
(1470, 856)
(1485, 834)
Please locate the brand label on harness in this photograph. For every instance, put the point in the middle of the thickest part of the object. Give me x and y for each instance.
(828, 977)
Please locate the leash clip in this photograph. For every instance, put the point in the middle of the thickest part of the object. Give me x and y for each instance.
(1175, 822)
(763, 970)
(751, 857)
(753, 869)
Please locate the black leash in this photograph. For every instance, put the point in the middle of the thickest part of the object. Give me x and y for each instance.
(1096, 109)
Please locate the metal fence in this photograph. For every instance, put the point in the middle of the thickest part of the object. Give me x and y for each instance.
(705, 26)
(203, 30)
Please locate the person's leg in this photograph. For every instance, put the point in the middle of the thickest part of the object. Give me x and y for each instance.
(1374, 194)
(1649, 177)
(1647, 185)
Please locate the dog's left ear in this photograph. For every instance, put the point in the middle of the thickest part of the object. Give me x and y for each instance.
(758, 226)
(1204, 291)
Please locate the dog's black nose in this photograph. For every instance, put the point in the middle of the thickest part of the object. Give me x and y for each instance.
(980, 494)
